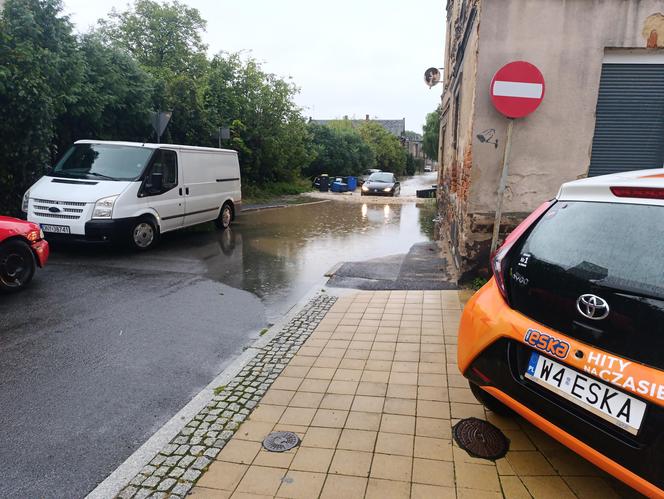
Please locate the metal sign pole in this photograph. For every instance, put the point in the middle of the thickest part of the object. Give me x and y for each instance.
(501, 187)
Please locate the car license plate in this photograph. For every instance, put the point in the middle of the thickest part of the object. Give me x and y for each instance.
(599, 398)
(57, 229)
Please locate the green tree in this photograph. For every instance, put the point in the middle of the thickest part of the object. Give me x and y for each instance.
(431, 134)
(339, 150)
(165, 38)
(114, 101)
(267, 127)
(39, 80)
(390, 155)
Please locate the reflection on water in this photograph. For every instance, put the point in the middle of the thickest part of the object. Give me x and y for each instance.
(279, 254)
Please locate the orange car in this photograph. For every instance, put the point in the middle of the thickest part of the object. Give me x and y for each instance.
(569, 332)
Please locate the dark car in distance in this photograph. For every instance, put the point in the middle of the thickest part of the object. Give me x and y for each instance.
(381, 184)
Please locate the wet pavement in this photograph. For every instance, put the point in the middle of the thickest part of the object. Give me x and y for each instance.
(107, 344)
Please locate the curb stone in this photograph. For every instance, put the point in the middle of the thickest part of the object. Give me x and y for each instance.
(175, 469)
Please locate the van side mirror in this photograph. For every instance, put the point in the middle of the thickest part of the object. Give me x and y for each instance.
(155, 183)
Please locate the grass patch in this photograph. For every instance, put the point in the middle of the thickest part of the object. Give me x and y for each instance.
(219, 389)
(263, 331)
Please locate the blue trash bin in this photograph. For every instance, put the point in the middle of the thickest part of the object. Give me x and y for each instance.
(352, 183)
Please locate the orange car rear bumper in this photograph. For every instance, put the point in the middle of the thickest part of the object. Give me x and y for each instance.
(487, 318)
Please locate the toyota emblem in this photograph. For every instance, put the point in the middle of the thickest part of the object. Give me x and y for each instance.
(592, 307)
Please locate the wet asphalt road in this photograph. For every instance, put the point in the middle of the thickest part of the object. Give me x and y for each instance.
(106, 345)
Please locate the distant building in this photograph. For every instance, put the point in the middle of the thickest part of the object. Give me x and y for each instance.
(603, 107)
(413, 143)
(395, 127)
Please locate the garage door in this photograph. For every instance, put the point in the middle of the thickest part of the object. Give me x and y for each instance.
(629, 128)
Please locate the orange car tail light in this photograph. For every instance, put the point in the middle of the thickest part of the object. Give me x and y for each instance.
(498, 260)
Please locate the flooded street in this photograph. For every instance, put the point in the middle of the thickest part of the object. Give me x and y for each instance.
(110, 343)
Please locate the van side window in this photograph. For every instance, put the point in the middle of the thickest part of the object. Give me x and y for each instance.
(164, 165)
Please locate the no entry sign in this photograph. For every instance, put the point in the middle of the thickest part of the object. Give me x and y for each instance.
(517, 89)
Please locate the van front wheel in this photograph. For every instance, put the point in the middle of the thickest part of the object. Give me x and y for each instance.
(225, 217)
(143, 234)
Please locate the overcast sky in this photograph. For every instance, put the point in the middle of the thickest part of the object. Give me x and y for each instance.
(349, 57)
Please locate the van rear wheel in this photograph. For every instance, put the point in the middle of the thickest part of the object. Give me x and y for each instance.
(225, 218)
(143, 234)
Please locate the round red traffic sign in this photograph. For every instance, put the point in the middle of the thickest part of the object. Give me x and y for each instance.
(517, 89)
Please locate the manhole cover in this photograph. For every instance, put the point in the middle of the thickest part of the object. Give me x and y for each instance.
(480, 439)
(281, 441)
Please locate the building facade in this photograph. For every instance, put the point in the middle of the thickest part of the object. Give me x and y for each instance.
(603, 107)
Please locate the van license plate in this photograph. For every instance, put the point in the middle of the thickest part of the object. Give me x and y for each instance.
(599, 398)
(57, 229)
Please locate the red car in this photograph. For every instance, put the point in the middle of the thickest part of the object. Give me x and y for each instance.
(22, 248)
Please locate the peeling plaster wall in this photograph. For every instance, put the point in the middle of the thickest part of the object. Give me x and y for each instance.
(567, 40)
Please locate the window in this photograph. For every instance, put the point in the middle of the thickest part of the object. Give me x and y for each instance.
(165, 165)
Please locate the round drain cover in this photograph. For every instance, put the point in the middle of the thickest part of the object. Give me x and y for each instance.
(480, 439)
(281, 441)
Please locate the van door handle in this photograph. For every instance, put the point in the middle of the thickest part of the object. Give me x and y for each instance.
(186, 190)
(180, 191)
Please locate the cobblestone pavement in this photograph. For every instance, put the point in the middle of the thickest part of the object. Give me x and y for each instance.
(173, 472)
(373, 394)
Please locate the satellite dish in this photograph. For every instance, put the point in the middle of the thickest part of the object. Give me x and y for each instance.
(432, 77)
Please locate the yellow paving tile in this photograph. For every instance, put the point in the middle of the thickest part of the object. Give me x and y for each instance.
(314, 385)
(277, 397)
(254, 430)
(344, 487)
(363, 421)
(305, 399)
(402, 406)
(365, 403)
(391, 467)
(286, 383)
(421, 491)
(336, 401)
(267, 413)
(590, 487)
(321, 437)
(402, 391)
(387, 489)
(350, 462)
(547, 487)
(301, 416)
(432, 472)
(301, 484)
(394, 443)
(363, 440)
(514, 488)
(527, 463)
(274, 459)
(433, 427)
(222, 475)
(343, 387)
(239, 451)
(394, 423)
(477, 476)
(205, 493)
(261, 480)
(312, 459)
(330, 418)
(371, 388)
(433, 409)
(433, 448)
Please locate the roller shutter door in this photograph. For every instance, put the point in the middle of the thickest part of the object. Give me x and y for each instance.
(629, 127)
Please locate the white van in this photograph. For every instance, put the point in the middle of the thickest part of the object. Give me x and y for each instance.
(127, 191)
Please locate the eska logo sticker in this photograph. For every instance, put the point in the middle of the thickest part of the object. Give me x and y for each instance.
(547, 343)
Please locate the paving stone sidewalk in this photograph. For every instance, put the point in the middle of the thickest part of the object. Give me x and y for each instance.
(373, 393)
(174, 470)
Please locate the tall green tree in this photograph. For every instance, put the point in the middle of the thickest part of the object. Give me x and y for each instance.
(40, 79)
(339, 150)
(431, 134)
(267, 127)
(166, 41)
(390, 155)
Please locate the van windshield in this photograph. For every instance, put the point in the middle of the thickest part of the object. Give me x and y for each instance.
(103, 162)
